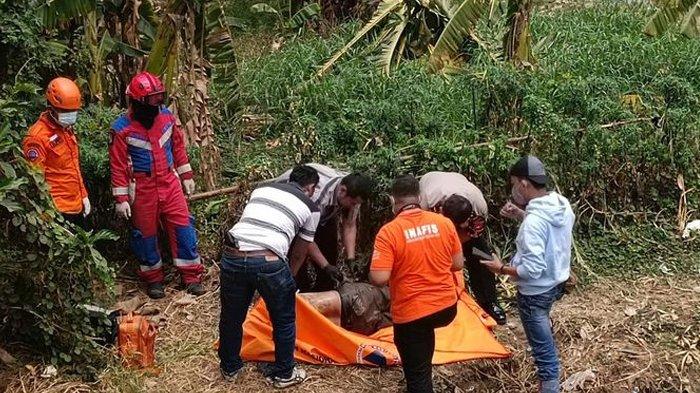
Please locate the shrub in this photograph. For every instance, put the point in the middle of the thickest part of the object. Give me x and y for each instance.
(571, 111)
(49, 269)
(92, 130)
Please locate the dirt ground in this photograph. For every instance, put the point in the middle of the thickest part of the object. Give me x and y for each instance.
(614, 336)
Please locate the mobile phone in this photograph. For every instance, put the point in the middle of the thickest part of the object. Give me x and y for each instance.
(481, 254)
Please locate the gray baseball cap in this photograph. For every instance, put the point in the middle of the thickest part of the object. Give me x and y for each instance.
(531, 168)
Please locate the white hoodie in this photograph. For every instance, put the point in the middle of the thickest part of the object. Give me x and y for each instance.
(543, 256)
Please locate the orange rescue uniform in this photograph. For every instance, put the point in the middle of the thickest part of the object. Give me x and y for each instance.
(54, 150)
(417, 247)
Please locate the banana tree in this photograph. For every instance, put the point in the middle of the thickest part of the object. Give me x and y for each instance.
(194, 41)
(673, 12)
(517, 42)
(113, 28)
(440, 28)
(298, 16)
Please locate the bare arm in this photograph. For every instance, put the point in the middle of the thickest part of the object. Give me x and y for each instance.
(382, 259)
(510, 270)
(317, 256)
(379, 277)
(300, 250)
(457, 262)
(350, 234)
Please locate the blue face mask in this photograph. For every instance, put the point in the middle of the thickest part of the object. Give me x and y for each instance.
(67, 119)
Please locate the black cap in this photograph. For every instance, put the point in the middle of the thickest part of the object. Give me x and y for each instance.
(531, 168)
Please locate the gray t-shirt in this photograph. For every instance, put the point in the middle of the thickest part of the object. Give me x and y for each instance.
(435, 187)
(329, 180)
(325, 193)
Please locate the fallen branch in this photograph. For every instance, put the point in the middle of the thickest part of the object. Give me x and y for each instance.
(508, 141)
(211, 194)
(642, 371)
(621, 123)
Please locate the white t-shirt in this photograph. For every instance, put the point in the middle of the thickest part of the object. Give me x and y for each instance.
(274, 215)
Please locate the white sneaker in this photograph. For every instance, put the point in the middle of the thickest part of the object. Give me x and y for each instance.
(298, 376)
(230, 377)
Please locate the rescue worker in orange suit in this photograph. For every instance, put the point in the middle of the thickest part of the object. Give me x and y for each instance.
(51, 146)
(150, 171)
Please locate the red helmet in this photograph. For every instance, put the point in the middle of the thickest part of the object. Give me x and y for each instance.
(146, 88)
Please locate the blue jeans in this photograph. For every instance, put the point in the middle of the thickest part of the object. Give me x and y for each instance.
(534, 314)
(240, 277)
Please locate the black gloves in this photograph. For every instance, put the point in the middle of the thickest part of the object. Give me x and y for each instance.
(335, 274)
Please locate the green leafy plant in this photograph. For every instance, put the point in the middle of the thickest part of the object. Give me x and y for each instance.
(296, 21)
(440, 29)
(674, 12)
(49, 270)
(29, 53)
(113, 30)
(609, 157)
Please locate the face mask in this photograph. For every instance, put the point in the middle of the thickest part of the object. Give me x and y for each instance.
(67, 119)
(517, 197)
(145, 114)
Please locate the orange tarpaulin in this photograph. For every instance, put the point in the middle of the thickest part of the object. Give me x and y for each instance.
(319, 341)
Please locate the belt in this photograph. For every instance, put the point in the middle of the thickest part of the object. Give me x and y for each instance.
(235, 252)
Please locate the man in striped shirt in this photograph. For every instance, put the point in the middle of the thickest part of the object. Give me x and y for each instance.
(339, 196)
(278, 216)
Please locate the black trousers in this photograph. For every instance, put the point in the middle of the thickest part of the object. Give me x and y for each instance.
(481, 281)
(76, 219)
(310, 278)
(415, 341)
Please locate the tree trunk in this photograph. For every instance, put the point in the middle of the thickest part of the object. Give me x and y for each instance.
(186, 75)
(96, 69)
(517, 43)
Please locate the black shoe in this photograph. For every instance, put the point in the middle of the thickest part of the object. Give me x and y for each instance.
(196, 289)
(156, 290)
(497, 313)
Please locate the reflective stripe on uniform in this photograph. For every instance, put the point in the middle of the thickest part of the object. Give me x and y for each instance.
(120, 191)
(166, 136)
(138, 143)
(186, 262)
(146, 268)
(184, 169)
